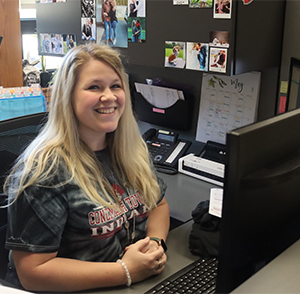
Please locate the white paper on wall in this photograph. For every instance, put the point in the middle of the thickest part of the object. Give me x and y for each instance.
(226, 103)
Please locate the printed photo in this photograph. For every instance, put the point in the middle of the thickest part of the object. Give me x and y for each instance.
(219, 39)
(44, 1)
(175, 55)
(200, 3)
(180, 2)
(69, 42)
(218, 59)
(112, 23)
(136, 29)
(88, 8)
(136, 8)
(57, 43)
(51, 44)
(45, 43)
(197, 56)
(88, 29)
(222, 9)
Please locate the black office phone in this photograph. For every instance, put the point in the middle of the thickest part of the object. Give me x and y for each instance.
(165, 148)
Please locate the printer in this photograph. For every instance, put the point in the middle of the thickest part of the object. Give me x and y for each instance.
(208, 166)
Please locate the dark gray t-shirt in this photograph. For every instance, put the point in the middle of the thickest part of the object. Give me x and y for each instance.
(63, 219)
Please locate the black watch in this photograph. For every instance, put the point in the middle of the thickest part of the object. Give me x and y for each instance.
(160, 242)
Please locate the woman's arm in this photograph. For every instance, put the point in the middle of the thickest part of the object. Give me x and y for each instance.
(159, 221)
(47, 272)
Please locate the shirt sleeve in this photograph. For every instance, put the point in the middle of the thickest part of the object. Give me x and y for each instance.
(163, 188)
(36, 220)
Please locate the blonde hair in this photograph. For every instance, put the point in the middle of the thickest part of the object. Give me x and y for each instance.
(59, 141)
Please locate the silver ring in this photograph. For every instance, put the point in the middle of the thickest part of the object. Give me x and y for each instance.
(159, 264)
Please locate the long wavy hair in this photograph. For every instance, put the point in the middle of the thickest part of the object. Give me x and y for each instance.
(59, 142)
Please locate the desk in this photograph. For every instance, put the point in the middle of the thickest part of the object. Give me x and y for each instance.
(281, 275)
(184, 193)
(178, 257)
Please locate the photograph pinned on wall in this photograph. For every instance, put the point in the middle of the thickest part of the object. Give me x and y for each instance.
(175, 54)
(219, 39)
(44, 1)
(197, 56)
(88, 8)
(180, 2)
(112, 23)
(218, 59)
(136, 29)
(51, 44)
(57, 44)
(200, 3)
(222, 9)
(88, 29)
(136, 8)
(45, 43)
(69, 42)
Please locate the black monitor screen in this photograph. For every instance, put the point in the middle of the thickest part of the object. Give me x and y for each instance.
(261, 204)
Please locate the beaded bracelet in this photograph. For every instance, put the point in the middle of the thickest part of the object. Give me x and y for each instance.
(126, 270)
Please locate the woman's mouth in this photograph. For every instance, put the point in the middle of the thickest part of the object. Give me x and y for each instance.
(106, 110)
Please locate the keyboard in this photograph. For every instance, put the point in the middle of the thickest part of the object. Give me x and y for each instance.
(198, 277)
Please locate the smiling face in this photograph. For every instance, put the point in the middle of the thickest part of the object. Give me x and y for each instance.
(98, 102)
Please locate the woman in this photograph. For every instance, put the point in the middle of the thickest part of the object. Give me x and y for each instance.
(84, 198)
(113, 20)
(132, 11)
(136, 31)
(106, 20)
(86, 31)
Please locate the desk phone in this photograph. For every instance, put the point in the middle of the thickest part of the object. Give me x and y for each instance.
(165, 148)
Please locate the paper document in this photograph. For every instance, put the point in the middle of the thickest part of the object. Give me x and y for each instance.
(227, 103)
(160, 97)
(216, 202)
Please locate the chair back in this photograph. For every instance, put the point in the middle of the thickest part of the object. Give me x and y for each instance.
(15, 135)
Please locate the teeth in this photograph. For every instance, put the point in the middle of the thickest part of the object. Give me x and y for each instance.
(105, 111)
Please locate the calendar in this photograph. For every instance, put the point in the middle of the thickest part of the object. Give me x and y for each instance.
(227, 103)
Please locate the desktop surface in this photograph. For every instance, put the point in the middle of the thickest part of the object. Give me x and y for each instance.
(178, 255)
(281, 275)
(184, 193)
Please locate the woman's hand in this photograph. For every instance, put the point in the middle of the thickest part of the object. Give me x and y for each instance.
(144, 259)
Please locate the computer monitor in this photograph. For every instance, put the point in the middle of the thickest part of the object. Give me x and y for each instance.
(261, 202)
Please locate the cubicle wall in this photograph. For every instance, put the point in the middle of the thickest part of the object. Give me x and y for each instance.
(255, 40)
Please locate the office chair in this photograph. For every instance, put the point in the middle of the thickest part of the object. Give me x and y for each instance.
(15, 135)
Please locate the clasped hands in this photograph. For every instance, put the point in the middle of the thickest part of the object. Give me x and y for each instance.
(144, 259)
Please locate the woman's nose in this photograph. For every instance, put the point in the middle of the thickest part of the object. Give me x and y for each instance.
(107, 95)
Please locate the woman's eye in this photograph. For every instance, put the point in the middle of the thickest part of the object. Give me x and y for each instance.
(116, 86)
(94, 87)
